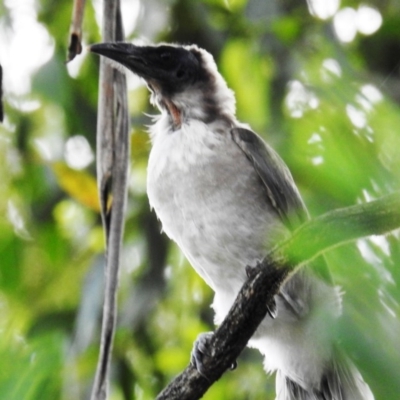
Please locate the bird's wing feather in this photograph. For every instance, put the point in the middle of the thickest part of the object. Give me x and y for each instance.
(280, 188)
(340, 380)
(275, 176)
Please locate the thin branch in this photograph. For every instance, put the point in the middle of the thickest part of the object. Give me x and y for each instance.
(250, 307)
(112, 175)
(1, 95)
(75, 35)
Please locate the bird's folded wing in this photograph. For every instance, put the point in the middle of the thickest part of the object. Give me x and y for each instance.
(280, 188)
(275, 176)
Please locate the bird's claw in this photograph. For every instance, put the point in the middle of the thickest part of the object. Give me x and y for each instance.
(201, 350)
(271, 310)
(250, 271)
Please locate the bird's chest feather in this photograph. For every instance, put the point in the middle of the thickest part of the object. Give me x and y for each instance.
(209, 200)
(185, 169)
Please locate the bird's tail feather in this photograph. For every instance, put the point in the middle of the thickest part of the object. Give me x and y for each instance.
(341, 381)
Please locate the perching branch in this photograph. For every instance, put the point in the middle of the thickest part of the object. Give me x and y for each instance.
(112, 174)
(250, 307)
(75, 35)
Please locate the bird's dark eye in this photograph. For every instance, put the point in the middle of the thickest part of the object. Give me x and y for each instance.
(180, 73)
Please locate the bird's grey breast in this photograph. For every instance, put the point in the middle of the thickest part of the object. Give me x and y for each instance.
(210, 201)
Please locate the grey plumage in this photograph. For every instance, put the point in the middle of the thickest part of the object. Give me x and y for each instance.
(340, 381)
(225, 197)
(281, 191)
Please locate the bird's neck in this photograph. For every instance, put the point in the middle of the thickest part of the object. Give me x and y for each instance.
(174, 113)
(207, 103)
(195, 106)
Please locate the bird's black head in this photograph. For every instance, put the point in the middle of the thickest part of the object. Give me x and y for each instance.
(184, 79)
(167, 69)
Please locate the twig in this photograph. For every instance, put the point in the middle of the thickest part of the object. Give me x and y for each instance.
(250, 307)
(112, 173)
(75, 36)
(1, 95)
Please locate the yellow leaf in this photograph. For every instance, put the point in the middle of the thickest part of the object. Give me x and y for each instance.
(78, 184)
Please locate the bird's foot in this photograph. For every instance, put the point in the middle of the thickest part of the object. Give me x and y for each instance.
(201, 349)
(251, 271)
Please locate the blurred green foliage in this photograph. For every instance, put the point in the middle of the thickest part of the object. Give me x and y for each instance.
(330, 109)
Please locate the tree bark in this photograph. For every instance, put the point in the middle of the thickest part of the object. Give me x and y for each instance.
(112, 175)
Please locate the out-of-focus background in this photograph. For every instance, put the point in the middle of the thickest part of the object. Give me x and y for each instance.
(320, 84)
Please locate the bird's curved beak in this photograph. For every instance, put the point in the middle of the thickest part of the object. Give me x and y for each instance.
(129, 55)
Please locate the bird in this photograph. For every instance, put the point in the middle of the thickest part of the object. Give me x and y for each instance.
(227, 198)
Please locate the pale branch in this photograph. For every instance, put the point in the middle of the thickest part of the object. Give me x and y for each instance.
(112, 175)
(1, 94)
(256, 296)
(75, 34)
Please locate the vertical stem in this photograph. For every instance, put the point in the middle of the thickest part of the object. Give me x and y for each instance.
(112, 175)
